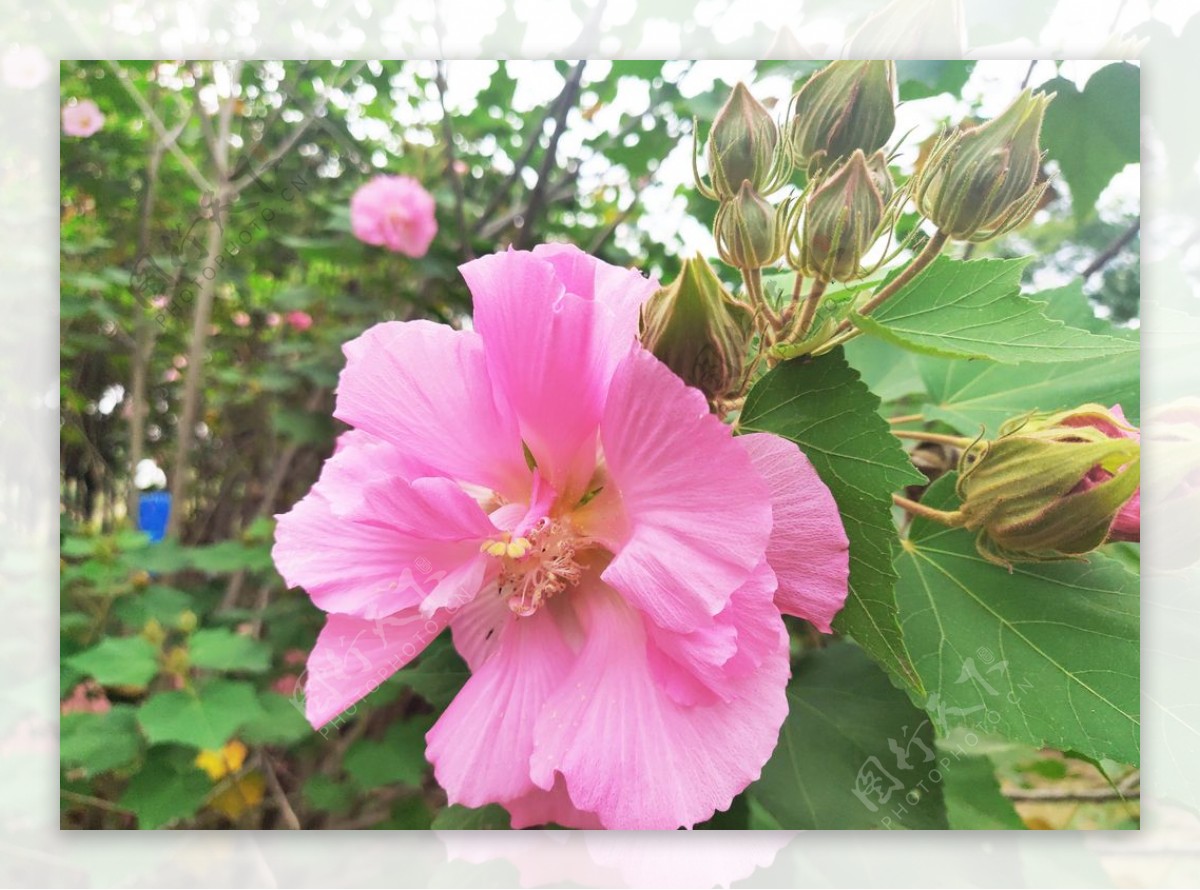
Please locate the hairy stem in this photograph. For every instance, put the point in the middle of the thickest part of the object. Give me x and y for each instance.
(927, 255)
(952, 518)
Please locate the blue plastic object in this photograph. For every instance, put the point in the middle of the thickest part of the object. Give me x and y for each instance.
(154, 509)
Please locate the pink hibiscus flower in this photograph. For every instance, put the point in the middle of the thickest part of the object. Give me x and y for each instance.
(299, 320)
(611, 561)
(394, 212)
(82, 118)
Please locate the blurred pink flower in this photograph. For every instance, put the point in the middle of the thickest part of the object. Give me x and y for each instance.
(241, 319)
(394, 212)
(24, 67)
(180, 361)
(299, 320)
(86, 698)
(274, 319)
(160, 302)
(82, 118)
(170, 375)
(286, 685)
(618, 604)
(295, 656)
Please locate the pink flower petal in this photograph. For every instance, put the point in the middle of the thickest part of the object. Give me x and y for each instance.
(395, 212)
(692, 515)
(425, 388)
(633, 755)
(480, 747)
(808, 550)
(555, 324)
(540, 807)
(353, 656)
(383, 544)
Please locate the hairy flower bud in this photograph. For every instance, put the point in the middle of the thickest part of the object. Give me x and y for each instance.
(1050, 486)
(981, 182)
(750, 233)
(696, 329)
(845, 106)
(841, 222)
(743, 146)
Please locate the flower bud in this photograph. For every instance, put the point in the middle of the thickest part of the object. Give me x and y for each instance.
(743, 146)
(982, 182)
(881, 176)
(1050, 486)
(696, 329)
(750, 233)
(841, 222)
(845, 106)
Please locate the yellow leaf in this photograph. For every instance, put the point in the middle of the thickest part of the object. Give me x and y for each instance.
(222, 762)
(244, 794)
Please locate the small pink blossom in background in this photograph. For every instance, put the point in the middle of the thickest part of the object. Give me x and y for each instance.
(170, 375)
(87, 698)
(274, 319)
(394, 212)
(461, 167)
(1127, 525)
(24, 67)
(300, 321)
(295, 656)
(82, 118)
(180, 361)
(619, 605)
(160, 302)
(241, 319)
(286, 685)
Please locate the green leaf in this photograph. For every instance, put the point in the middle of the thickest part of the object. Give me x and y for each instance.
(920, 79)
(322, 792)
(437, 675)
(1046, 653)
(398, 759)
(164, 790)
(221, 649)
(463, 818)
(118, 661)
(97, 743)
(206, 718)
(975, 309)
(1093, 134)
(822, 406)
(973, 798)
(970, 395)
(852, 753)
(280, 723)
(163, 604)
(231, 556)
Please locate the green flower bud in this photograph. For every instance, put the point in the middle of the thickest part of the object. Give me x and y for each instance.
(982, 182)
(1050, 486)
(743, 146)
(841, 222)
(750, 233)
(881, 175)
(699, 331)
(845, 106)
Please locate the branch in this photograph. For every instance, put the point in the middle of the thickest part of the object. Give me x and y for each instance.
(285, 808)
(1058, 795)
(451, 163)
(537, 200)
(1112, 250)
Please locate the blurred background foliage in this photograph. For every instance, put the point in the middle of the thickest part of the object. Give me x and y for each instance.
(180, 659)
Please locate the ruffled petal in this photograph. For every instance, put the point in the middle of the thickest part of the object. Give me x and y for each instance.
(632, 754)
(397, 545)
(480, 747)
(353, 656)
(555, 325)
(540, 807)
(424, 388)
(687, 516)
(808, 550)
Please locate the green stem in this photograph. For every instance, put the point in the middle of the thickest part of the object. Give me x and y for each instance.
(810, 307)
(927, 255)
(940, 438)
(953, 518)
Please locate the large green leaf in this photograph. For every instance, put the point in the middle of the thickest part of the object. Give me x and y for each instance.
(975, 309)
(852, 753)
(920, 78)
(1095, 132)
(823, 406)
(438, 673)
(1046, 653)
(399, 758)
(221, 649)
(206, 718)
(118, 661)
(280, 722)
(491, 816)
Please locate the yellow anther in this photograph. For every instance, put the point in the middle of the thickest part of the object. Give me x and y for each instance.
(496, 548)
(518, 548)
